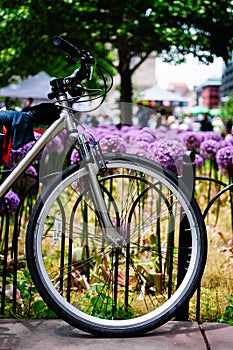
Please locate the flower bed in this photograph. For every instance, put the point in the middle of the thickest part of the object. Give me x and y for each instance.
(213, 158)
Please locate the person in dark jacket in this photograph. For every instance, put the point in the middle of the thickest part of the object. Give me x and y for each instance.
(19, 124)
(206, 124)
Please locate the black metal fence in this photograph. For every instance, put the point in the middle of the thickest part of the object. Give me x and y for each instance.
(14, 218)
(14, 213)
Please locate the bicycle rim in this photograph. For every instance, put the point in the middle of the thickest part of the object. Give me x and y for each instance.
(110, 290)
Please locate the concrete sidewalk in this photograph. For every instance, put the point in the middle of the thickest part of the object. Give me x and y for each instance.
(56, 334)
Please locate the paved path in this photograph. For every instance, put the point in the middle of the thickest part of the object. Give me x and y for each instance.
(56, 334)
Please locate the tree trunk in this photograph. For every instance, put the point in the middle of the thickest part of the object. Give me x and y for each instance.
(125, 86)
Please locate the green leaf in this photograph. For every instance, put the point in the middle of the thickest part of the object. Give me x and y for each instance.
(39, 306)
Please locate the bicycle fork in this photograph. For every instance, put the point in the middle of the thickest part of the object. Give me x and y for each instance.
(94, 165)
(111, 234)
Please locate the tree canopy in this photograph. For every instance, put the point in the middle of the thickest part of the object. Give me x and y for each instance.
(136, 28)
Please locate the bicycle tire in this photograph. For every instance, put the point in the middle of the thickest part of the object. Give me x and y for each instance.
(107, 290)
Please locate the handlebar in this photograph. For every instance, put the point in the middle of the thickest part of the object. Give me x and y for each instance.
(73, 83)
(73, 51)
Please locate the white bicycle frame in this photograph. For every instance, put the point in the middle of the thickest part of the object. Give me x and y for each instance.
(65, 121)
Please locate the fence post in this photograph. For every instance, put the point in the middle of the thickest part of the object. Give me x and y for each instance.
(188, 177)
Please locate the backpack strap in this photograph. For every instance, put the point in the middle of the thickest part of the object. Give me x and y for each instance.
(5, 145)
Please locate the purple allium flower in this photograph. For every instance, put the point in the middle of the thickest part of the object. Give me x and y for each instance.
(112, 143)
(209, 148)
(191, 140)
(140, 149)
(63, 135)
(99, 132)
(10, 201)
(136, 145)
(55, 145)
(230, 140)
(152, 132)
(162, 128)
(26, 181)
(224, 159)
(139, 152)
(31, 170)
(170, 155)
(130, 134)
(74, 156)
(199, 161)
(173, 134)
(18, 154)
(152, 146)
(211, 135)
(126, 128)
(143, 136)
(223, 143)
(102, 129)
(163, 133)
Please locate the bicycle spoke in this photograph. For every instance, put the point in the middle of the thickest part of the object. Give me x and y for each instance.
(93, 280)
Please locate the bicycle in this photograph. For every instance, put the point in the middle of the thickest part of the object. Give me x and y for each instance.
(103, 240)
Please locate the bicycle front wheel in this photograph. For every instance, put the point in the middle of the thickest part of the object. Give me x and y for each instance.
(124, 290)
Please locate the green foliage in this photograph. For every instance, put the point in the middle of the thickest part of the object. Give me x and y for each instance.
(227, 317)
(101, 305)
(228, 108)
(30, 304)
(135, 28)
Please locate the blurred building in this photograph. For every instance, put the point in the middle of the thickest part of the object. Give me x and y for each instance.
(208, 93)
(227, 81)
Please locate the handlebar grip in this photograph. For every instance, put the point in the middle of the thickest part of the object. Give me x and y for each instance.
(67, 47)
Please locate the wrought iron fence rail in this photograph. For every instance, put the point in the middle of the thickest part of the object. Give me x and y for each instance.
(13, 223)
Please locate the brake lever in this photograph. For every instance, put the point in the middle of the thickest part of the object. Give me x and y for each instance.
(76, 91)
(87, 57)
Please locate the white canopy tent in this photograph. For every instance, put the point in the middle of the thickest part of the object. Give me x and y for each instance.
(37, 87)
(156, 94)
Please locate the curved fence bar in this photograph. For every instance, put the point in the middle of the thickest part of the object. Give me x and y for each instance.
(222, 188)
(16, 286)
(15, 210)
